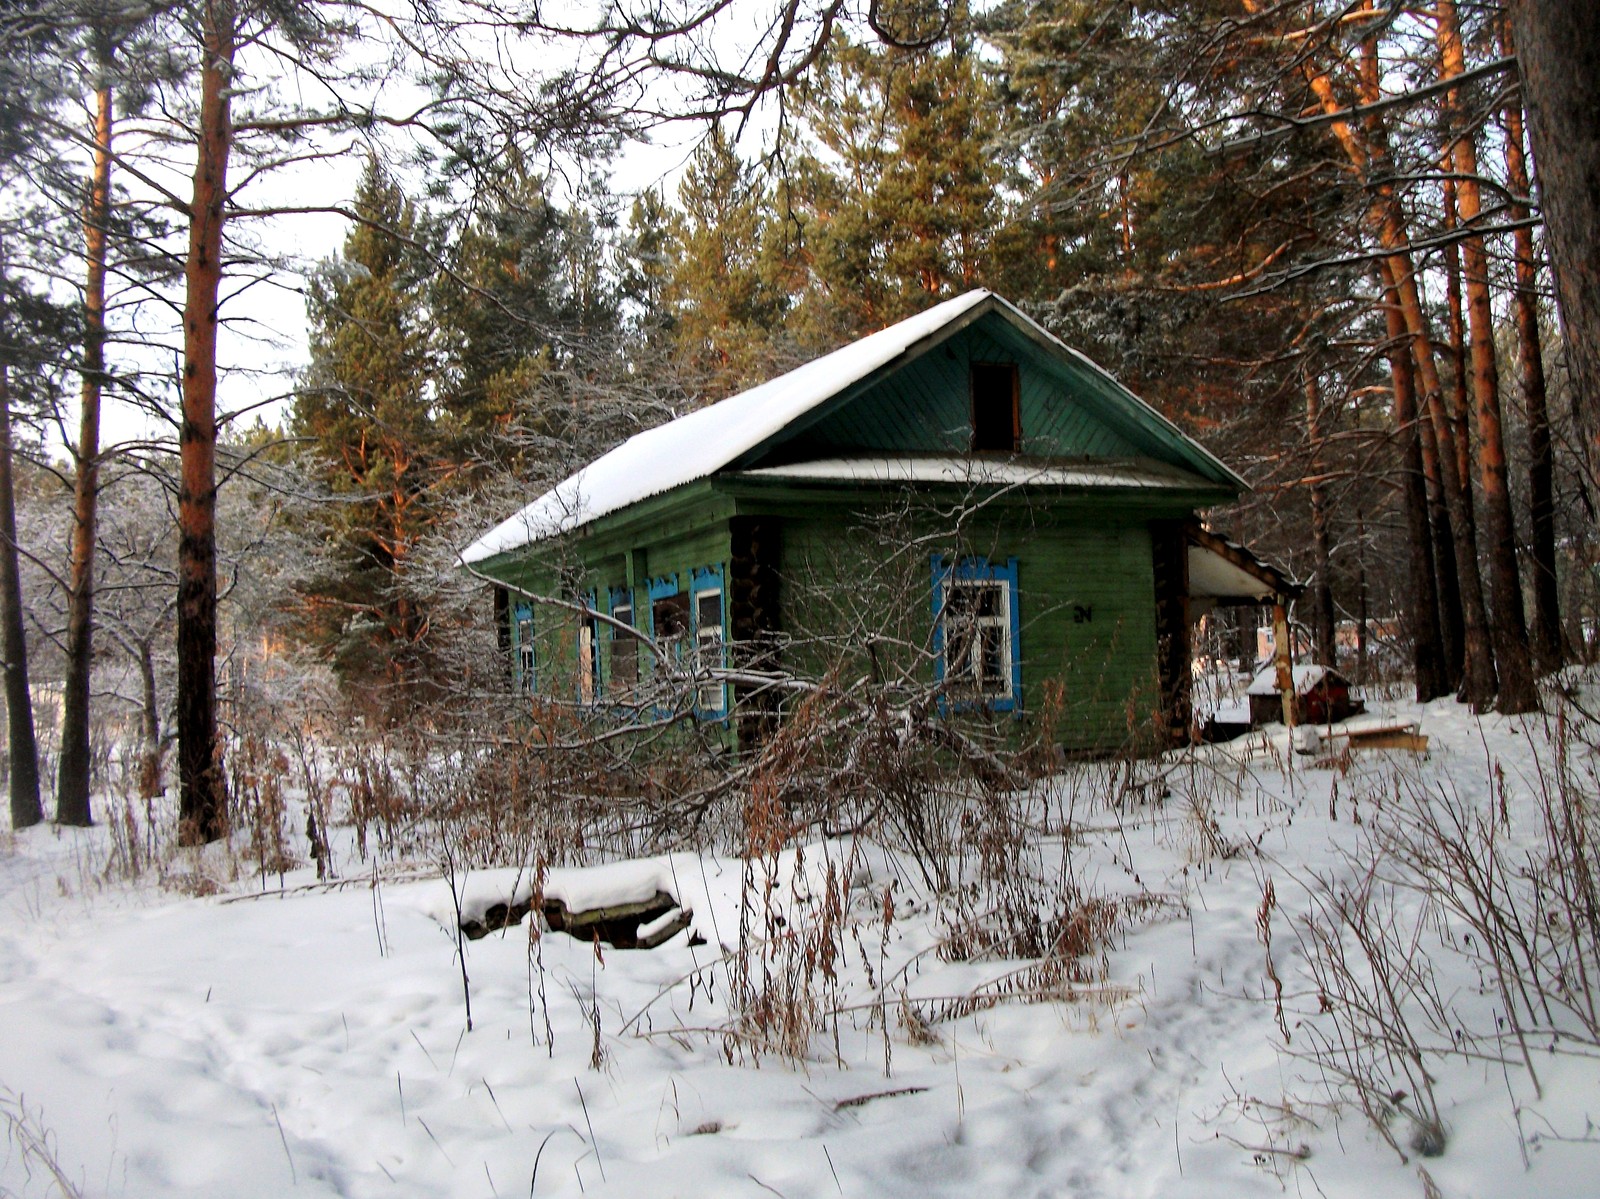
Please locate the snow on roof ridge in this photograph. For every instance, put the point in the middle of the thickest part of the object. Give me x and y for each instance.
(702, 442)
(936, 467)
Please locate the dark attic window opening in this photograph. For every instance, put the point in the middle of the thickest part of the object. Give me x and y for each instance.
(996, 422)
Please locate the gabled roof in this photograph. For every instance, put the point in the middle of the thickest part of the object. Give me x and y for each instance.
(735, 432)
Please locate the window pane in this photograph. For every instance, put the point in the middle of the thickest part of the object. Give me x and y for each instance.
(586, 662)
(708, 647)
(670, 615)
(977, 638)
(525, 651)
(624, 651)
(993, 659)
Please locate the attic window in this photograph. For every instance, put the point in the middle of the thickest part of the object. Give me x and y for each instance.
(996, 422)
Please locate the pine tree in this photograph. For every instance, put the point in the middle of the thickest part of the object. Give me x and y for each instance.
(35, 339)
(897, 208)
(727, 295)
(530, 326)
(365, 409)
(497, 308)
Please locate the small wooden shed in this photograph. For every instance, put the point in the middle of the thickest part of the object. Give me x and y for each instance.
(1321, 696)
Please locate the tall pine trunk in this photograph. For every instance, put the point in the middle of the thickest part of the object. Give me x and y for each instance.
(1322, 586)
(1545, 625)
(1509, 629)
(72, 775)
(1452, 626)
(1478, 683)
(1558, 52)
(1422, 600)
(26, 810)
(1387, 221)
(202, 802)
(149, 725)
(1450, 617)
(1362, 613)
(1459, 398)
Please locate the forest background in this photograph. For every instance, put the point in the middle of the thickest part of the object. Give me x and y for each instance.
(1309, 233)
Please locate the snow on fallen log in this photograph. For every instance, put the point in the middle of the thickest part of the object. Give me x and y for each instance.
(628, 905)
(616, 884)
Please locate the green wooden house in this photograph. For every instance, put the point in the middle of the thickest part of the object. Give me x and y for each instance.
(959, 502)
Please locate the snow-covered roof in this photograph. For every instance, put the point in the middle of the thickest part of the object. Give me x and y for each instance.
(1225, 570)
(1212, 575)
(1306, 677)
(979, 471)
(706, 441)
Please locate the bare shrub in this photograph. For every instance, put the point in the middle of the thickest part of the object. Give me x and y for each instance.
(784, 978)
(1440, 879)
(259, 772)
(1368, 957)
(35, 1144)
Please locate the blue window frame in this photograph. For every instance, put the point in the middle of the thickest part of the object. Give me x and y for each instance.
(708, 603)
(669, 615)
(588, 651)
(522, 662)
(669, 628)
(977, 634)
(623, 649)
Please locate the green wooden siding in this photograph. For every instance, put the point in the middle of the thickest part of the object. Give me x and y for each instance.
(592, 568)
(1085, 595)
(1085, 599)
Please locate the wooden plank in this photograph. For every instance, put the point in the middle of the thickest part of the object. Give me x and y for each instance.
(1407, 739)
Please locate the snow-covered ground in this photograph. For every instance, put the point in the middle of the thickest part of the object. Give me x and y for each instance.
(158, 1043)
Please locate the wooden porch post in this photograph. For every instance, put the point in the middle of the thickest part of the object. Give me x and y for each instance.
(1283, 657)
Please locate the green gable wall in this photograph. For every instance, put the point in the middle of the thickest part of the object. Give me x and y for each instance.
(1068, 409)
(926, 408)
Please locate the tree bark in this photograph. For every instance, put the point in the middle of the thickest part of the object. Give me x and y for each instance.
(1509, 629)
(1459, 403)
(26, 809)
(72, 775)
(1427, 658)
(149, 725)
(1478, 684)
(202, 801)
(1362, 615)
(1451, 620)
(1322, 585)
(1548, 649)
(1558, 54)
(1452, 627)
